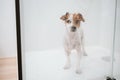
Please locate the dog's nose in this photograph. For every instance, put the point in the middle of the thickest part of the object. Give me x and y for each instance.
(73, 28)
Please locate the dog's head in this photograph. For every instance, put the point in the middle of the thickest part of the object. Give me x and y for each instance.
(72, 21)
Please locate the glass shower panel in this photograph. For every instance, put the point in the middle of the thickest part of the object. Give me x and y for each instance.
(44, 23)
(116, 66)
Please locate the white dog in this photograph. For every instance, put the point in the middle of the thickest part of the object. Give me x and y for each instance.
(74, 38)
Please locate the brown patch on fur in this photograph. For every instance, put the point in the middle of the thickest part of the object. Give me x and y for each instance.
(65, 17)
(80, 17)
(77, 18)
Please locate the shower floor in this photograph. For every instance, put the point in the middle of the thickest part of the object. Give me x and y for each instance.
(48, 65)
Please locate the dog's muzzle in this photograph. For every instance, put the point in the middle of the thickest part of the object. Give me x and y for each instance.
(73, 28)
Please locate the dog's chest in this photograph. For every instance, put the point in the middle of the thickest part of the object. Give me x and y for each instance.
(73, 39)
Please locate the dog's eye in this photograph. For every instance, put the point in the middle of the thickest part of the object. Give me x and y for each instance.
(68, 21)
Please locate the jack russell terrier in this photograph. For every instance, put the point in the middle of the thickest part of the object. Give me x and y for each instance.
(74, 38)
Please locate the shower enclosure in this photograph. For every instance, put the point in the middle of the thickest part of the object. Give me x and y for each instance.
(42, 34)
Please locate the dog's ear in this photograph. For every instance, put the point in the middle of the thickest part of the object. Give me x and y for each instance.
(65, 17)
(80, 17)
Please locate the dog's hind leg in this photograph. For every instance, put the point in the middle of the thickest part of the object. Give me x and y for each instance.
(67, 64)
(83, 47)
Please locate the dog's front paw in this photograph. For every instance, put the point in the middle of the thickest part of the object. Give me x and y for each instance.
(67, 66)
(78, 71)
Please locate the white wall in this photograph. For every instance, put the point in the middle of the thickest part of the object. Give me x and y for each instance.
(107, 25)
(7, 29)
(42, 28)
